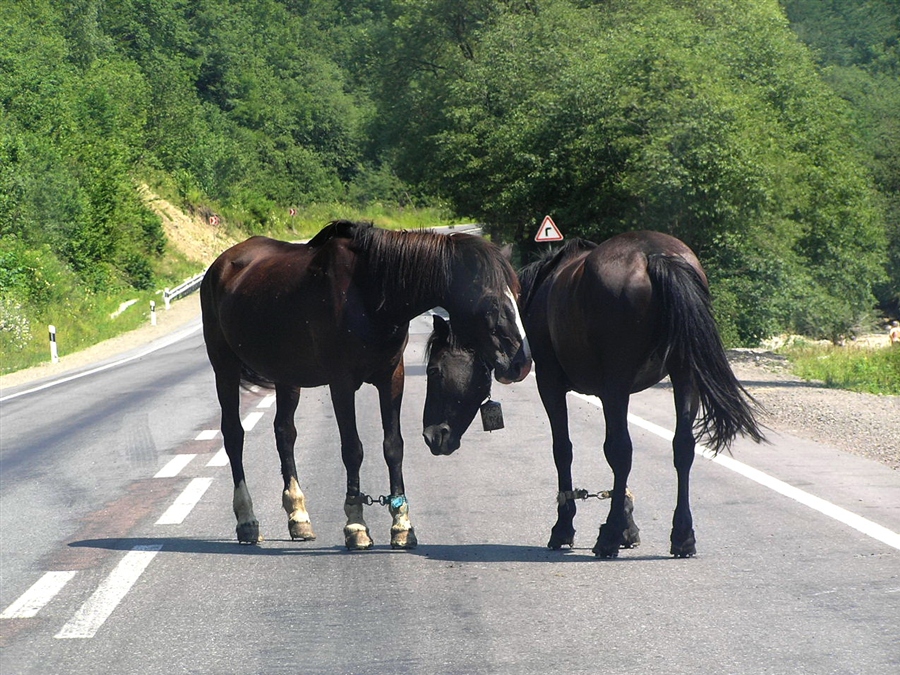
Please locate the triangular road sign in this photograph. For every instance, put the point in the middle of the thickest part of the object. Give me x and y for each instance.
(548, 231)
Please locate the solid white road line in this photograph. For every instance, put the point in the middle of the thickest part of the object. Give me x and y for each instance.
(186, 501)
(34, 599)
(174, 466)
(97, 609)
(867, 527)
(219, 459)
(156, 346)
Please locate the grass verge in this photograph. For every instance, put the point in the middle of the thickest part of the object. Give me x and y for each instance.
(871, 371)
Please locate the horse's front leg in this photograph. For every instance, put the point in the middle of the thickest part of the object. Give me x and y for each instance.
(293, 500)
(356, 532)
(553, 396)
(684, 544)
(619, 530)
(390, 396)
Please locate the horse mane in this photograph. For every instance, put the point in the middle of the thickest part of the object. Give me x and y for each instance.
(451, 339)
(533, 275)
(421, 263)
(343, 229)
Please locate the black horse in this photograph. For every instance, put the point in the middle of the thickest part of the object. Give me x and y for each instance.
(336, 312)
(610, 320)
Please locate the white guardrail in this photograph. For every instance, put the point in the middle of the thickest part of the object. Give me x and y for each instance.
(183, 288)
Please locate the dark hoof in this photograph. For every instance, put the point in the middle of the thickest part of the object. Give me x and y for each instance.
(358, 540)
(558, 540)
(608, 544)
(301, 531)
(685, 548)
(405, 539)
(248, 533)
(631, 538)
(605, 551)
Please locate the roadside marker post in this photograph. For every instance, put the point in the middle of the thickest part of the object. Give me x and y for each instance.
(54, 354)
(152, 313)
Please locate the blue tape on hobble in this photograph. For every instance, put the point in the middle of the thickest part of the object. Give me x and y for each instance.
(398, 501)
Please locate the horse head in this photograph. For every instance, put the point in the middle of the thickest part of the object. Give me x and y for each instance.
(459, 381)
(484, 310)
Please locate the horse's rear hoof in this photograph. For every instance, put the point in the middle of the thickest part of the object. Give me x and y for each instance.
(604, 551)
(404, 539)
(248, 533)
(301, 531)
(686, 548)
(607, 545)
(557, 542)
(358, 540)
(631, 538)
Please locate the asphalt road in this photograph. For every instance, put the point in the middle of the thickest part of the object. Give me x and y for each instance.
(137, 572)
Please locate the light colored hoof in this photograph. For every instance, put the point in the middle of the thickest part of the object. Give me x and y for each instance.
(403, 538)
(357, 540)
(248, 533)
(301, 531)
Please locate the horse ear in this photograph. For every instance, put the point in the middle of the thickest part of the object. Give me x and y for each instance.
(507, 251)
(441, 327)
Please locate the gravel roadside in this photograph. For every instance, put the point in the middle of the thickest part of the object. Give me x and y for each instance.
(861, 424)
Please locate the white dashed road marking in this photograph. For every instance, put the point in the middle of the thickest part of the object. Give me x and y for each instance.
(174, 467)
(97, 609)
(33, 600)
(185, 502)
(219, 459)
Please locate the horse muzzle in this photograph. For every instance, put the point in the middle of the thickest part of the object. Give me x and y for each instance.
(440, 439)
(519, 367)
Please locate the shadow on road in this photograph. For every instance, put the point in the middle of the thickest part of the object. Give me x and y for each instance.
(459, 553)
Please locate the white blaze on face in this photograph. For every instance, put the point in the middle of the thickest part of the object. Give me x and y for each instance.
(519, 325)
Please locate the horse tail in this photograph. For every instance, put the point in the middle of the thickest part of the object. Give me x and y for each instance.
(251, 377)
(692, 339)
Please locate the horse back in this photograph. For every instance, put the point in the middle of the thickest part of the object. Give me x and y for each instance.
(282, 309)
(604, 313)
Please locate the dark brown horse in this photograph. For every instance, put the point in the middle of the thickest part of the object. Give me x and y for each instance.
(609, 321)
(336, 312)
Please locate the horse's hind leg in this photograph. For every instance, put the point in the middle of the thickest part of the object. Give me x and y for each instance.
(619, 530)
(228, 391)
(390, 396)
(686, 406)
(356, 532)
(553, 396)
(286, 400)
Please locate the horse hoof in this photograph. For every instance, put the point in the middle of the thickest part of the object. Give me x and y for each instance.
(631, 538)
(607, 545)
(404, 539)
(556, 542)
(687, 547)
(604, 551)
(358, 540)
(248, 533)
(301, 531)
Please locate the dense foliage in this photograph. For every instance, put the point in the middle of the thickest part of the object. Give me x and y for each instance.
(707, 119)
